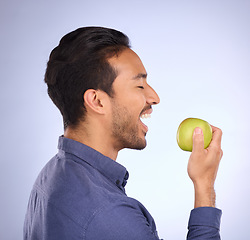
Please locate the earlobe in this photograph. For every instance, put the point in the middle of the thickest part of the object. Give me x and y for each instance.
(94, 100)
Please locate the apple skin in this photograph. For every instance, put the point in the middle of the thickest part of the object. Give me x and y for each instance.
(185, 133)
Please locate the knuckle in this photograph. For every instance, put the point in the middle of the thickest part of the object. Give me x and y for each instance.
(221, 153)
(217, 129)
(217, 150)
(220, 131)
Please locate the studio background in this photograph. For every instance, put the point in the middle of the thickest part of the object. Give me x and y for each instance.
(197, 55)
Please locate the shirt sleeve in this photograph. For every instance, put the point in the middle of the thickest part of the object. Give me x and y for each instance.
(204, 223)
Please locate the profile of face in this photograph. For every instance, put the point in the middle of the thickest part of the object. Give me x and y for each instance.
(133, 99)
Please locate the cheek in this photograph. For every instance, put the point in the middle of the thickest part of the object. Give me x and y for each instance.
(136, 108)
(134, 100)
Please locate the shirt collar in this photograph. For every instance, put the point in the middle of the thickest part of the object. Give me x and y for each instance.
(114, 171)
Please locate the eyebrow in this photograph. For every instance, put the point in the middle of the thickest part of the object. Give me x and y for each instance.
(140, 75)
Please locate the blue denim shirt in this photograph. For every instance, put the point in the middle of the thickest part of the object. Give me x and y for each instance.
(80, 194)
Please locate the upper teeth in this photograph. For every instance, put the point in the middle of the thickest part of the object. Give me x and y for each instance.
(145, 115)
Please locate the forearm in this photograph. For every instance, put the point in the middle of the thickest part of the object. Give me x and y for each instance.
(204, 196)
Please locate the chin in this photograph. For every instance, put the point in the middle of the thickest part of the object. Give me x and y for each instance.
(131, 140)
(138, 145)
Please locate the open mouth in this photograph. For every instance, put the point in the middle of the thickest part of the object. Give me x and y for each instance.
(144, 118)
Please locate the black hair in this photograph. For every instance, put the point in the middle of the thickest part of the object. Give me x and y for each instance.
(79, 63)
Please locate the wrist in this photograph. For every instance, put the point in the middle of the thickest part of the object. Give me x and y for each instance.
(204, 196)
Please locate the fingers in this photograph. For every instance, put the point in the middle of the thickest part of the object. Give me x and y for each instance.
(198, 140)
(215, 145)
(217, 135)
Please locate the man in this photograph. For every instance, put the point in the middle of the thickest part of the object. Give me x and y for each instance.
(100, 86)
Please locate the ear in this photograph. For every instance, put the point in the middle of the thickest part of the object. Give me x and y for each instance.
(95, 100)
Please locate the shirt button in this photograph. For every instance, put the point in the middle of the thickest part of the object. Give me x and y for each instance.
(117, 182)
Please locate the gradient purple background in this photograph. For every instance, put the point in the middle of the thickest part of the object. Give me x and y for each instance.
(197, 54)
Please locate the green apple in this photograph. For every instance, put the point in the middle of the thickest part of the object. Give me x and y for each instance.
(185, 133)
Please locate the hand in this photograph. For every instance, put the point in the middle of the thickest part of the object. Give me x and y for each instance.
(203, 166)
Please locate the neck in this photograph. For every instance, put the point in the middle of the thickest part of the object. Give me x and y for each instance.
(94, 137)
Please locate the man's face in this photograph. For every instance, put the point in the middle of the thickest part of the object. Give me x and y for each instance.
(132, 100)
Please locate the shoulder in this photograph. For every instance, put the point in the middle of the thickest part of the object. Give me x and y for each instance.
(73, 188)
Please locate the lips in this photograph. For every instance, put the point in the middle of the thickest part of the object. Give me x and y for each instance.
(146, 111)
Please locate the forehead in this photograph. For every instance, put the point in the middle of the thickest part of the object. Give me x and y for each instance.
(127, 63)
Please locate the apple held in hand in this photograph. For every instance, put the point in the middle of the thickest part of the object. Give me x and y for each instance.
(186, 129)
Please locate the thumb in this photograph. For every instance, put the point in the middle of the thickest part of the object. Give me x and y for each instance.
(198, 140)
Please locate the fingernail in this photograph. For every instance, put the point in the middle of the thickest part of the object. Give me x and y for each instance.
(198, 131)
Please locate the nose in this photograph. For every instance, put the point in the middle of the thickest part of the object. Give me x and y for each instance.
(152, 96)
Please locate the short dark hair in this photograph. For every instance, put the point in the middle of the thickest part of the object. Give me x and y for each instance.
(79, 63)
